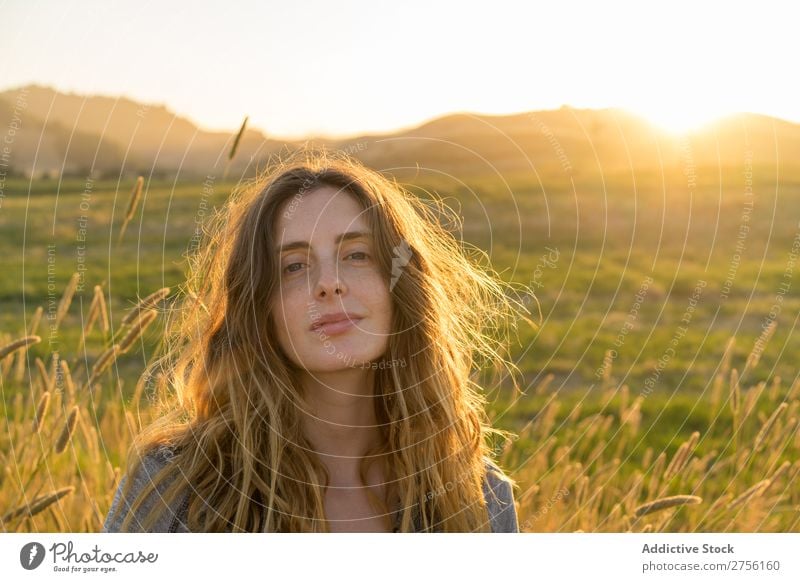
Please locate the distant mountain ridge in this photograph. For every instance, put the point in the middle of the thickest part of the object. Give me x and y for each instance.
(55, 133)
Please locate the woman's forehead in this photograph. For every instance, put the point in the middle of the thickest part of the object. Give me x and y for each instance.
(322, 214)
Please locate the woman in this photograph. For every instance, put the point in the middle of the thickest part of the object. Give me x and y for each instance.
(321, 370)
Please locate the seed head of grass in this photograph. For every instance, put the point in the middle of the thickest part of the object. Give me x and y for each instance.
(682, 455)
(238, 139)
(146, 303)
(751, 493)
(103, 362)
(762, 435)
(41, 411)
(136, 194)
(665, 503)
(67, 432)
(101, 306)
(38, 505)
(139, 327)
(68, 383)
(17, 344)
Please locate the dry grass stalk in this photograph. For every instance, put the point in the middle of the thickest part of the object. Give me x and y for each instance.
(575, 414)
(775, 388)
(18, 408)
(41, 411)
(19, 371)
(37, 505)
(54, 370)
(580, 490)
(657, 472)
(633, 415)
(238, 139)
(751, 493)
(681, 457)
(716, 391)
(780, 471)
(736, 396)
(727, 355)
(614, 516)
(90, 319)
(742, 459)
(103, 362)
(17, 344)
(146, 303)
(133, 426)
(665, 503)
(634, 492)
(794, 391)
(139, 327)
(751, 398)
(624, 397)
(43, 375)
(234, 147)
(648, 456)
(68, 383)
(137, 392)
(5, 364)
(767, 427)
(133, 202)
(102, 308)
(69, 429)
(66, 299)
(36, 320)
(91, 438)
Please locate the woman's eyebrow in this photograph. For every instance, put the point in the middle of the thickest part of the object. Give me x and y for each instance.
(345, 236)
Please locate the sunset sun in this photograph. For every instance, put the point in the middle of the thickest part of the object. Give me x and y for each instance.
(680, 118)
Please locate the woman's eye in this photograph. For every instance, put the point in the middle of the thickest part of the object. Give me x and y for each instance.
(296, 267)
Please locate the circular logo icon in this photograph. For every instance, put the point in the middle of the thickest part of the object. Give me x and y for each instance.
(31, 555)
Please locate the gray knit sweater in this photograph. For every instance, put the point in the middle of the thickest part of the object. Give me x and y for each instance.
(497, 492)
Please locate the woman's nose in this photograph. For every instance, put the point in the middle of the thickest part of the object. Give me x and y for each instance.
(328, 281)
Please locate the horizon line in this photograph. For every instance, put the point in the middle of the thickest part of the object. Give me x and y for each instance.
(362, 133)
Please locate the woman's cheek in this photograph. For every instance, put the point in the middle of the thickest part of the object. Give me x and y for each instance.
(289, 308)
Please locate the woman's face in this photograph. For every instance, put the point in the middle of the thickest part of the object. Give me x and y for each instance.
(328, 269)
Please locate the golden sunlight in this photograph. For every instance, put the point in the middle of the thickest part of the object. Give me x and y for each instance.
(678, 119)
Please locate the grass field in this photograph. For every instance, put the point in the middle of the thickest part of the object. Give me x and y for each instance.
(664, 366)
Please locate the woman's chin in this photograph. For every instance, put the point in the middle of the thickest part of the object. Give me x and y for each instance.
(340, 362)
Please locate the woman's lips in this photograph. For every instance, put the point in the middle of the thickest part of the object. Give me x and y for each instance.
(337, 327)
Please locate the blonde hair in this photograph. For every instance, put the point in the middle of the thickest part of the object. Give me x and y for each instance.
(230, 410)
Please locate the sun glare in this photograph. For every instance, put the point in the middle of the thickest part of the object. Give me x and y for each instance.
(679, 120)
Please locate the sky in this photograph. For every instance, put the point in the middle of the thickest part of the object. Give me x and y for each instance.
(342, 68)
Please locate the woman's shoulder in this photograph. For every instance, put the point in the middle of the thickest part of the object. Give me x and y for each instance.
(499, 494)
(152, 464)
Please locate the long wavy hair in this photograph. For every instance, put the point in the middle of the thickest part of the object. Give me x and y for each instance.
(228, 399)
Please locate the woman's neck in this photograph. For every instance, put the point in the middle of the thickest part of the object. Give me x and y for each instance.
(341, 423)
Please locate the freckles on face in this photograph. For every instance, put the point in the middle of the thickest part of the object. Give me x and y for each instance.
(325, 245)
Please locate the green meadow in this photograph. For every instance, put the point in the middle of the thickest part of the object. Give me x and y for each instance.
(651, 290)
